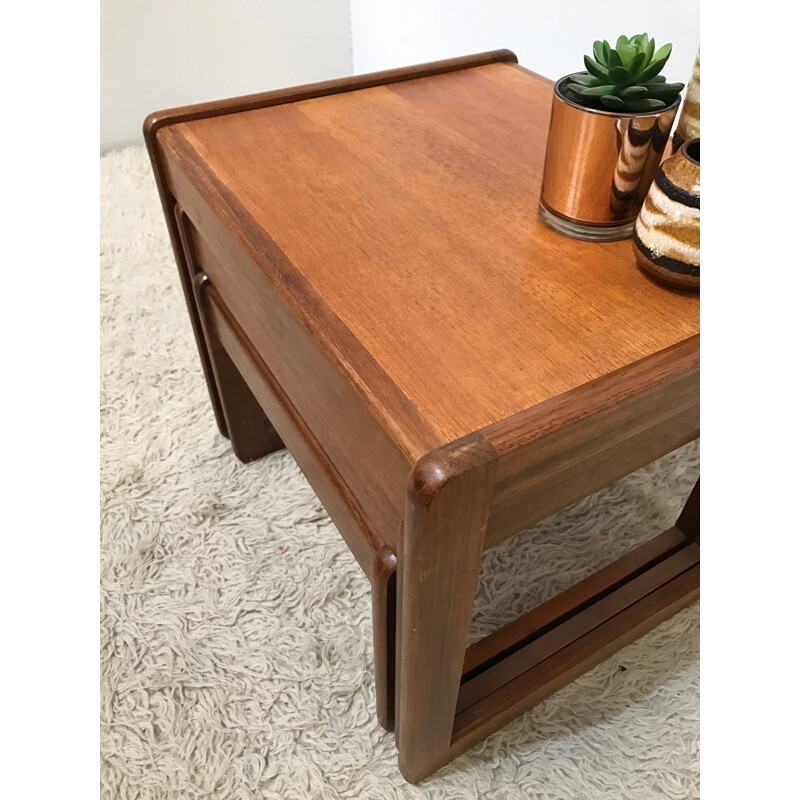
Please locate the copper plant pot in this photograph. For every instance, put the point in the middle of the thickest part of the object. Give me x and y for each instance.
(599, 166)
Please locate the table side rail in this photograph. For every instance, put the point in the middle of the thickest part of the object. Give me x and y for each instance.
(327, 483)
(582, 441)
(509, 701)
(567, 626)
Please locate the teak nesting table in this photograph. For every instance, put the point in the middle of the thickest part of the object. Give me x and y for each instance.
(370, 286)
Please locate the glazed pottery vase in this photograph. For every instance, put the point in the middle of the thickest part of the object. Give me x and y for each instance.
(598, 166)
(666, 238)
(689, 121)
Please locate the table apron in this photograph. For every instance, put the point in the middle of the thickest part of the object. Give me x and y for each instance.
(549, 473)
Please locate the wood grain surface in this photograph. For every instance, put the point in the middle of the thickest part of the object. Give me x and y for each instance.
(440, 554)
(409, 209)
(251, 433)
(581, 441)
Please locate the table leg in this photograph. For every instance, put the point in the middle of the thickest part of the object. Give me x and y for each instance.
(448, 699)
(689, 520)
(243, 420)
(440, 551)
(251, 433)
(174, 218)
(384, 582)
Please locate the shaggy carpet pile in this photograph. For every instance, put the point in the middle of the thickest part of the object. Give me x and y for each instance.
(236, 639)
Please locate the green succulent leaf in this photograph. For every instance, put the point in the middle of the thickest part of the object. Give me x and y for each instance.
(620, 75)
(665, 91)
(638, 63)
(626, 53)
(590, 91)
(626, 77)
(585, 80)
(663, 52)
(596, 69)
(650, 72)
(645, 104)
(633, 92)
(613, 102)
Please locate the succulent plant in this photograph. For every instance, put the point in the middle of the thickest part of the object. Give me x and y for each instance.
(625, 78)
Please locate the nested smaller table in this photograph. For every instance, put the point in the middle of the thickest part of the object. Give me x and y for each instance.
(370, 285)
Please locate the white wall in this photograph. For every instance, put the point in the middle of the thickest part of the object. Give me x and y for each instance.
(160, 53)
(157, 54)
(548, 37)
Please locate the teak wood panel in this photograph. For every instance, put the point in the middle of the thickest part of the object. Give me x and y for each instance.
(233, 105)
(327, 403)
(579, 442)
(410, 211)
(343, 508)
(212, 206)
(161, 119)
(251, 433)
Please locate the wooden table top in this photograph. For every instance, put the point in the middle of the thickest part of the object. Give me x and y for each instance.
(411, 210)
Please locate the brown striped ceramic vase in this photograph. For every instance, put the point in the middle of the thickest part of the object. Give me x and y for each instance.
(689, 121)
(666, 237)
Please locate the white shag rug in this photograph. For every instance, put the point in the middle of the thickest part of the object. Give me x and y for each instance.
(236, 638)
